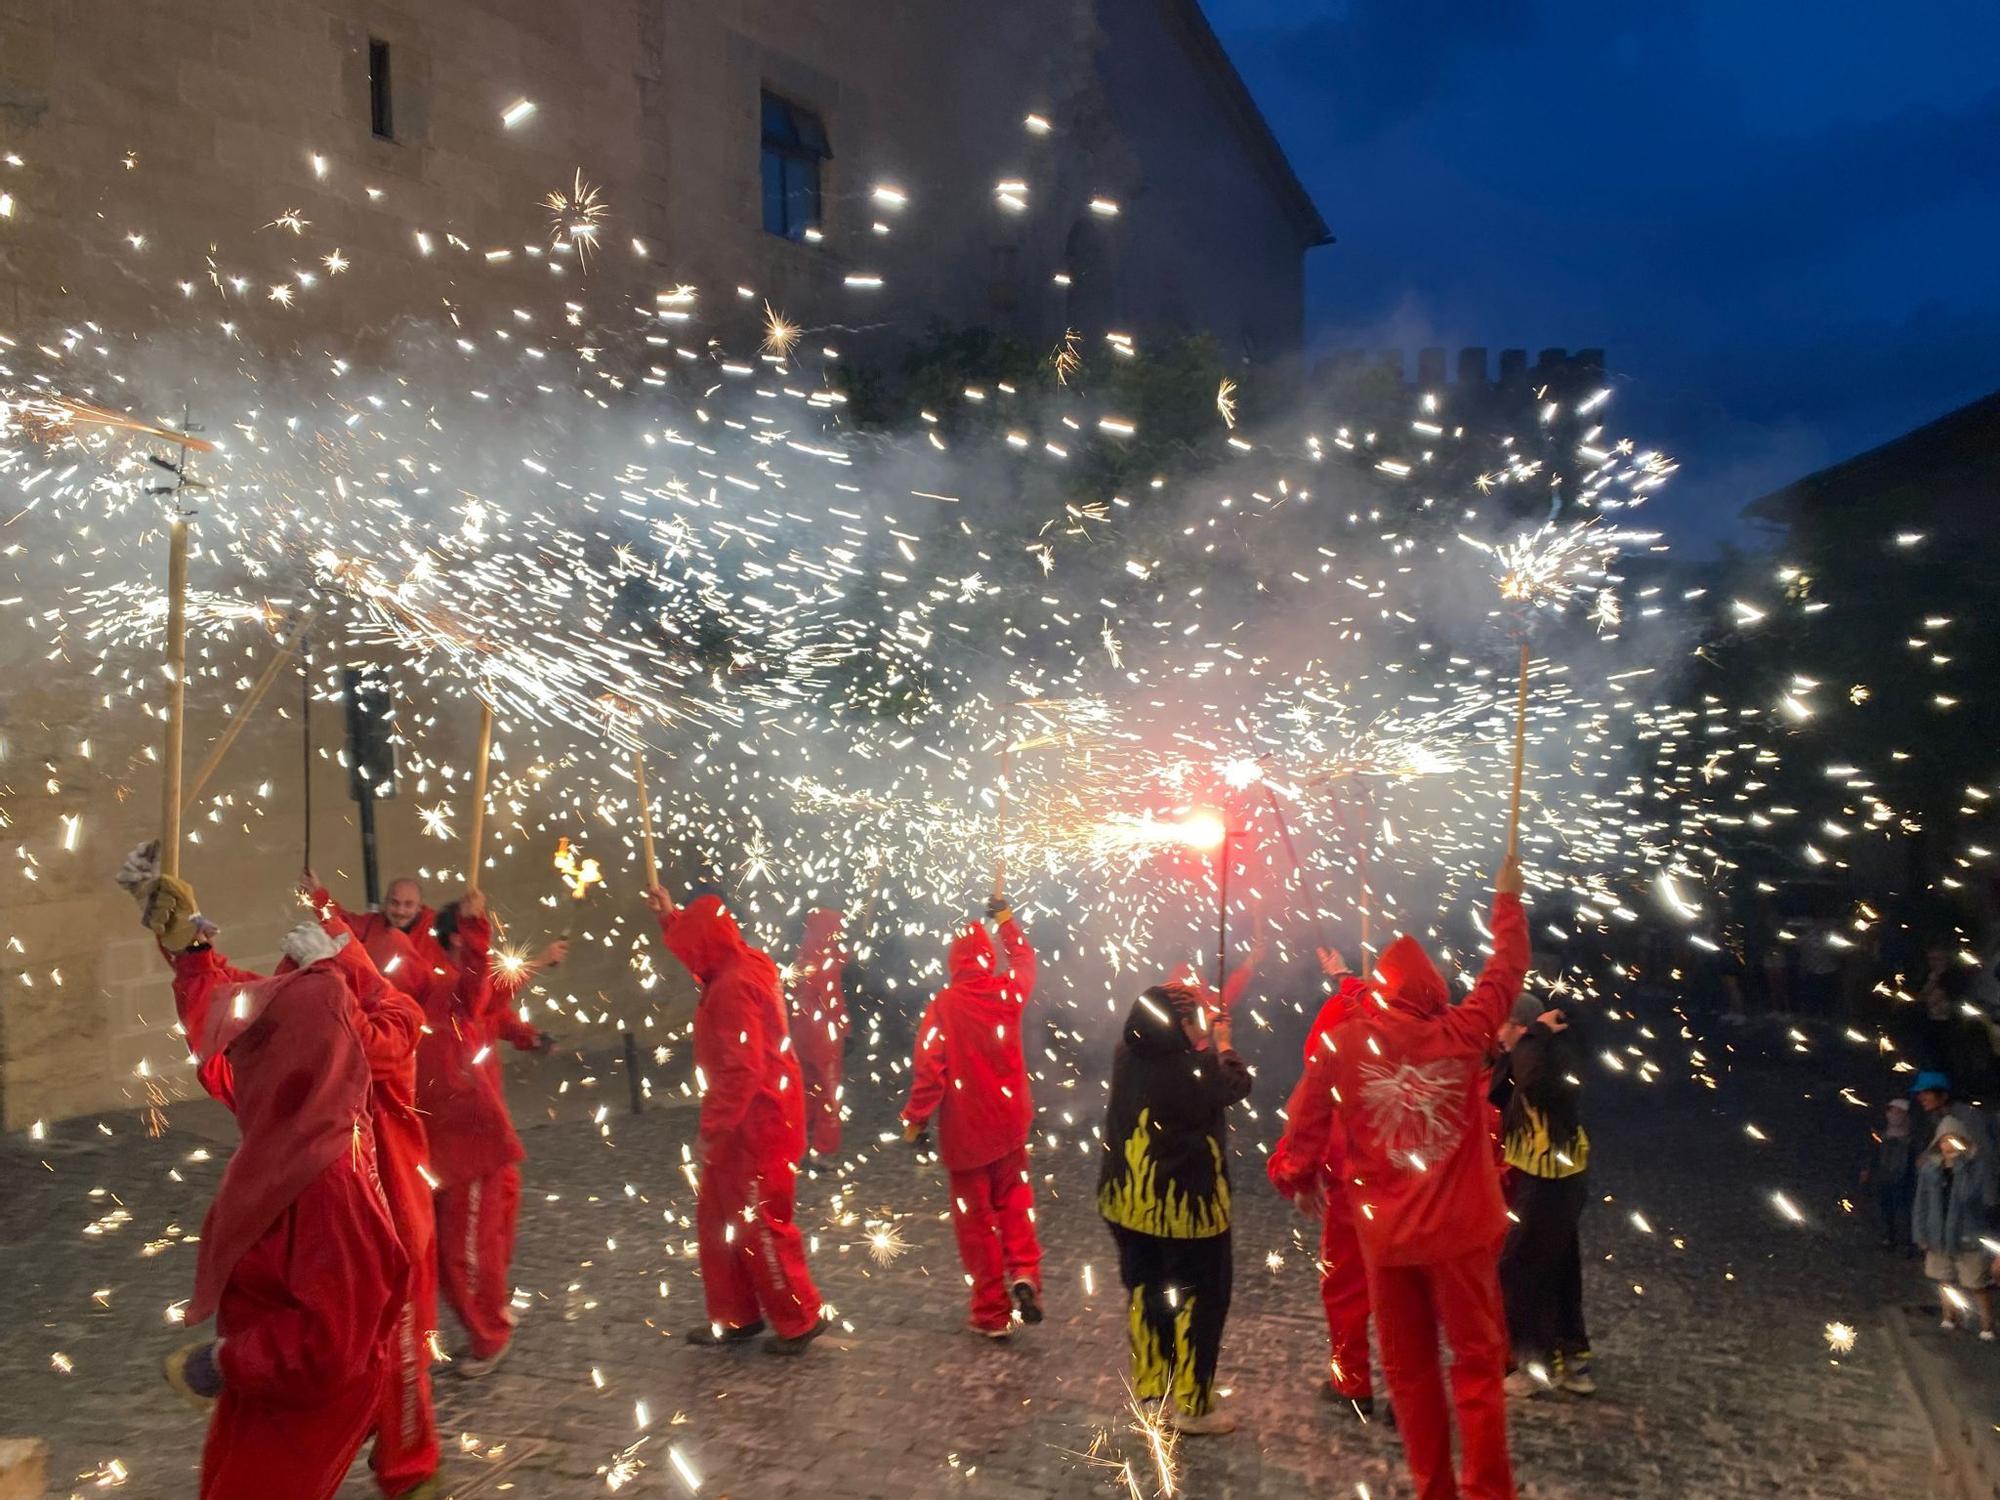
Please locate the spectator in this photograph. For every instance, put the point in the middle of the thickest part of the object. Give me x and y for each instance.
(1544, 1143)
(1953, 1177)
(1890, 1174)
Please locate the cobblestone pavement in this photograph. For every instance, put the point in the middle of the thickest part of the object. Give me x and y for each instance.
(1717, 1378)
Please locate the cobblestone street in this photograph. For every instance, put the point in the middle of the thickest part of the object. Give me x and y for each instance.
(1710, 1325)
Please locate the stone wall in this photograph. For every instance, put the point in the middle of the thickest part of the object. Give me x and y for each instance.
(146, 129)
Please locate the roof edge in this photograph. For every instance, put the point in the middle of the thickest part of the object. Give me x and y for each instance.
(1250, 117)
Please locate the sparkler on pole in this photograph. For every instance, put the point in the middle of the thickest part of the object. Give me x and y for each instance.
(241, 717)
(478, 833)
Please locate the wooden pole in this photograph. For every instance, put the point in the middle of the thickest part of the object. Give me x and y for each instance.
(170, 754)
(1520, 756)
(478, 834)
(242, 715)
(306, 752)
(645, 818)
(1000, 851)
(1222, 912)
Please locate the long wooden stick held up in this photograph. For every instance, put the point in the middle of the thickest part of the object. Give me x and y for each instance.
(241, 717)
(170, 751)
(1520, 756)
(645, 818)
(1006, 764)
(477, 835)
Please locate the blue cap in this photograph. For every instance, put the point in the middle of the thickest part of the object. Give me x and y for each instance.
(1931, 1080)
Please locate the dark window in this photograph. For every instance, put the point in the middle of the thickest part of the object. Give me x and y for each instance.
(794, 146)
(381, 109)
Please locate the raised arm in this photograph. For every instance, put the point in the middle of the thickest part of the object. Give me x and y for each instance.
(1020, 959)
(1473, 1025)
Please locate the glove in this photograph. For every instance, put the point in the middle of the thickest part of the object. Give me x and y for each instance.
(167, 908)
(913, 1131)
(141, 867)
(308, 943)
(193, 1373)
(999, 909)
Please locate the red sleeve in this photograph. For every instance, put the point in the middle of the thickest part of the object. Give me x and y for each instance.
(1472, 1026)
(301, 1350)
(1020, 960)
(733, 1064)
(201, 977)
(1309, 1114)
(927, 1078)
(513, 1030)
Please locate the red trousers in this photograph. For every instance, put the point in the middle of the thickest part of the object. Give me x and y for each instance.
(475, 1237)
(822, 1070)
(257, 1449)
(406, 1440)
(1343, 1289)
(1463, 1296)
(753, 1258)
(993, 1212)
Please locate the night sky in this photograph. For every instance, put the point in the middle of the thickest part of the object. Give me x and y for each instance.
(1779, 219)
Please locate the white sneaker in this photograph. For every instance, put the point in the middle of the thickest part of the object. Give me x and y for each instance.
(1986, 1336)
(1947, 1326)
(1527, 1382)
(1212, 1423)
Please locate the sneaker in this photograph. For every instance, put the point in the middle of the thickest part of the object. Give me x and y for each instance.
(1947, 1326)
(1003, 1331)
(1577, 1379)
(1028, 1300)
(470, 1368)
(1986, 1335)
(777, 1343)
(1212, 1423)
(712, 1335)
(1526, 1383)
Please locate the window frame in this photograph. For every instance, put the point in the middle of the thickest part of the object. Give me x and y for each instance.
(381, 91)
(796, 146)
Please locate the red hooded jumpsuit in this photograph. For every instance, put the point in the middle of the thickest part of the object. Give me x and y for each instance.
(1408, 1074)
(753, 1134)
(406, 1444)
(968, 1070)
(1312, 1156)
(819, 1027)
(299, 1264)
(475, 1153)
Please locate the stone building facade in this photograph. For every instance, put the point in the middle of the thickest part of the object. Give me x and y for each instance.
(871, 166)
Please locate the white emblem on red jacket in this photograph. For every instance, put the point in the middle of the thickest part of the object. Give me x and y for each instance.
(1413, 1109)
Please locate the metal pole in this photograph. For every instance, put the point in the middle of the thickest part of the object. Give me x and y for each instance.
(1222, 911)
(632, 1073)
(371, 869)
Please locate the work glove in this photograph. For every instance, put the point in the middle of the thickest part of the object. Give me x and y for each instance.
(167, 907)
(999, 909)
(193, 1373)
(308, 943)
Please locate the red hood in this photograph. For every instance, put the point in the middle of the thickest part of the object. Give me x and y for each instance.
(301, 1102)
(970, 954)
(1409, 981)
(705, 937)
(822, 936)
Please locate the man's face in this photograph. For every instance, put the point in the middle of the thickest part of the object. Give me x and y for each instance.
(405, 900)
(1930, 1101)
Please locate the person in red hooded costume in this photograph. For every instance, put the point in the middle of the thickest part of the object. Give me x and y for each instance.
(300, 1264)
(753, 1135)
(968, 1071)
(475, 1152)
(1309, 1166)
(819, 1026)
(1408, 1076)
(405, 1457)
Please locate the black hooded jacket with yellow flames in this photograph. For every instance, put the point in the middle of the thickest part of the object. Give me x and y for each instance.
(1165, 1168)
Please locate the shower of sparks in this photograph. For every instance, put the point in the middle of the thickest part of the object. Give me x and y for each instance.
(885, 1243)
(577, 873)
(1225, 402)
(1840, 1338)
(781, 335)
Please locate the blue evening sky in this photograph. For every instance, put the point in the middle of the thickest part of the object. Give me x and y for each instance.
(1780, 219)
